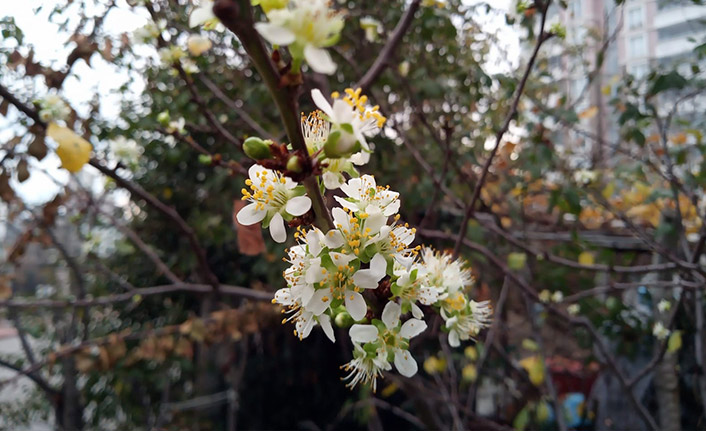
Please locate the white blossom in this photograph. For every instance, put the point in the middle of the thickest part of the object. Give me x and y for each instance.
(307, 27)
(274, 197)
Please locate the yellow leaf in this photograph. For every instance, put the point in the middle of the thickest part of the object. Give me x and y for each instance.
(73, 150)
(679, 138)
(608, 190)
(389, 390)
(535, 368)
(471, 353)
(470, 373)
(530, 345)
(606, 90)
(674, 342)
(589, 113)
(433, 365)
(586, 258)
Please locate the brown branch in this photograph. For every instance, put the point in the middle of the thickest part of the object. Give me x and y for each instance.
(137, 294)
(237, 16)
(135, 189)
(41, 383)
(470, 208)
(385, 56)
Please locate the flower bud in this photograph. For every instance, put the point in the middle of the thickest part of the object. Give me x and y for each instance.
(164, 118)
(294, 164)
(343, 320)
(256, 148)
(341, 143)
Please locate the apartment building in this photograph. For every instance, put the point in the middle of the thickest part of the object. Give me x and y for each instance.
(633, 38)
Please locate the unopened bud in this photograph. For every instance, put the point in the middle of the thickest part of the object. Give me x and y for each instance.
(164, 118)
(341, 143)
(256, 148)
(294, 164)
(343, 320)
(205, 159)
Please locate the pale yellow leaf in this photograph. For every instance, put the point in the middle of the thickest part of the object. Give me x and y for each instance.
(73, 150)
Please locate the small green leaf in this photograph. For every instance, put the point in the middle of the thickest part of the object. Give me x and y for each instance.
(516, 260)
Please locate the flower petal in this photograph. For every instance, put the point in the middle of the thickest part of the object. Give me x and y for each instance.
(416, 311)
(412, 328)
(298, 205)
(361, 158)
(454, 340)
(284, 296)
(332, 181)
(340, 259)
(405, 363)
(325, 322)
(369, 278)
(321, 102)
(363, 333)
(334, 239)
(304, 325)
(355, 304)
(319, 302)
(277, 230)
(391, 315)
(200, 15)
(319, 60)
(275, 34)
(250, 215)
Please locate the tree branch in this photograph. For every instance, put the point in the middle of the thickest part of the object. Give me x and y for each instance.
(385, 55)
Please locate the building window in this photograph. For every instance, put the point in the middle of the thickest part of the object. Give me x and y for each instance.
(637, 46)
(639, 70)
(635, 18)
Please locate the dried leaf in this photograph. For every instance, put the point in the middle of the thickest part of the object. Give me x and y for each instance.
(250, 240)
(589, 113)
(38, 148)
(22, 171)
(3, 107)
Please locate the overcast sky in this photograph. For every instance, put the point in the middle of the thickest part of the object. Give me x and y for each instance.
(102, 79)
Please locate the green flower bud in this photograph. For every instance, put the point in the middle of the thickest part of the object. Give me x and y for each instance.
(164, 118)
(343, 320)
(341, 143)
(294, 164)
(256, 148)
(205, 159)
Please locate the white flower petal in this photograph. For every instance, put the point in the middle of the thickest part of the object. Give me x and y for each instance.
(334, 239)
(250, 215)
(275, 34)
(416, 311)
(332, 180)
(325, 322)
(319, 302)
(319, 60)
(321, 102)
(277, 230)
(454, 340)
(304, 325)
(355, 304)
(391, 315)
(405, 363)
(298, 205)
(284, 296)
(313, 240)
(340, 259)
(307, 291)
(347, 204)
(412, 328)
(361, 158)
(200, 15)
(363, 333)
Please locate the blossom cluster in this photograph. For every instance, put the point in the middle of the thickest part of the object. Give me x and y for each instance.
(363, 272)
(366, 265)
